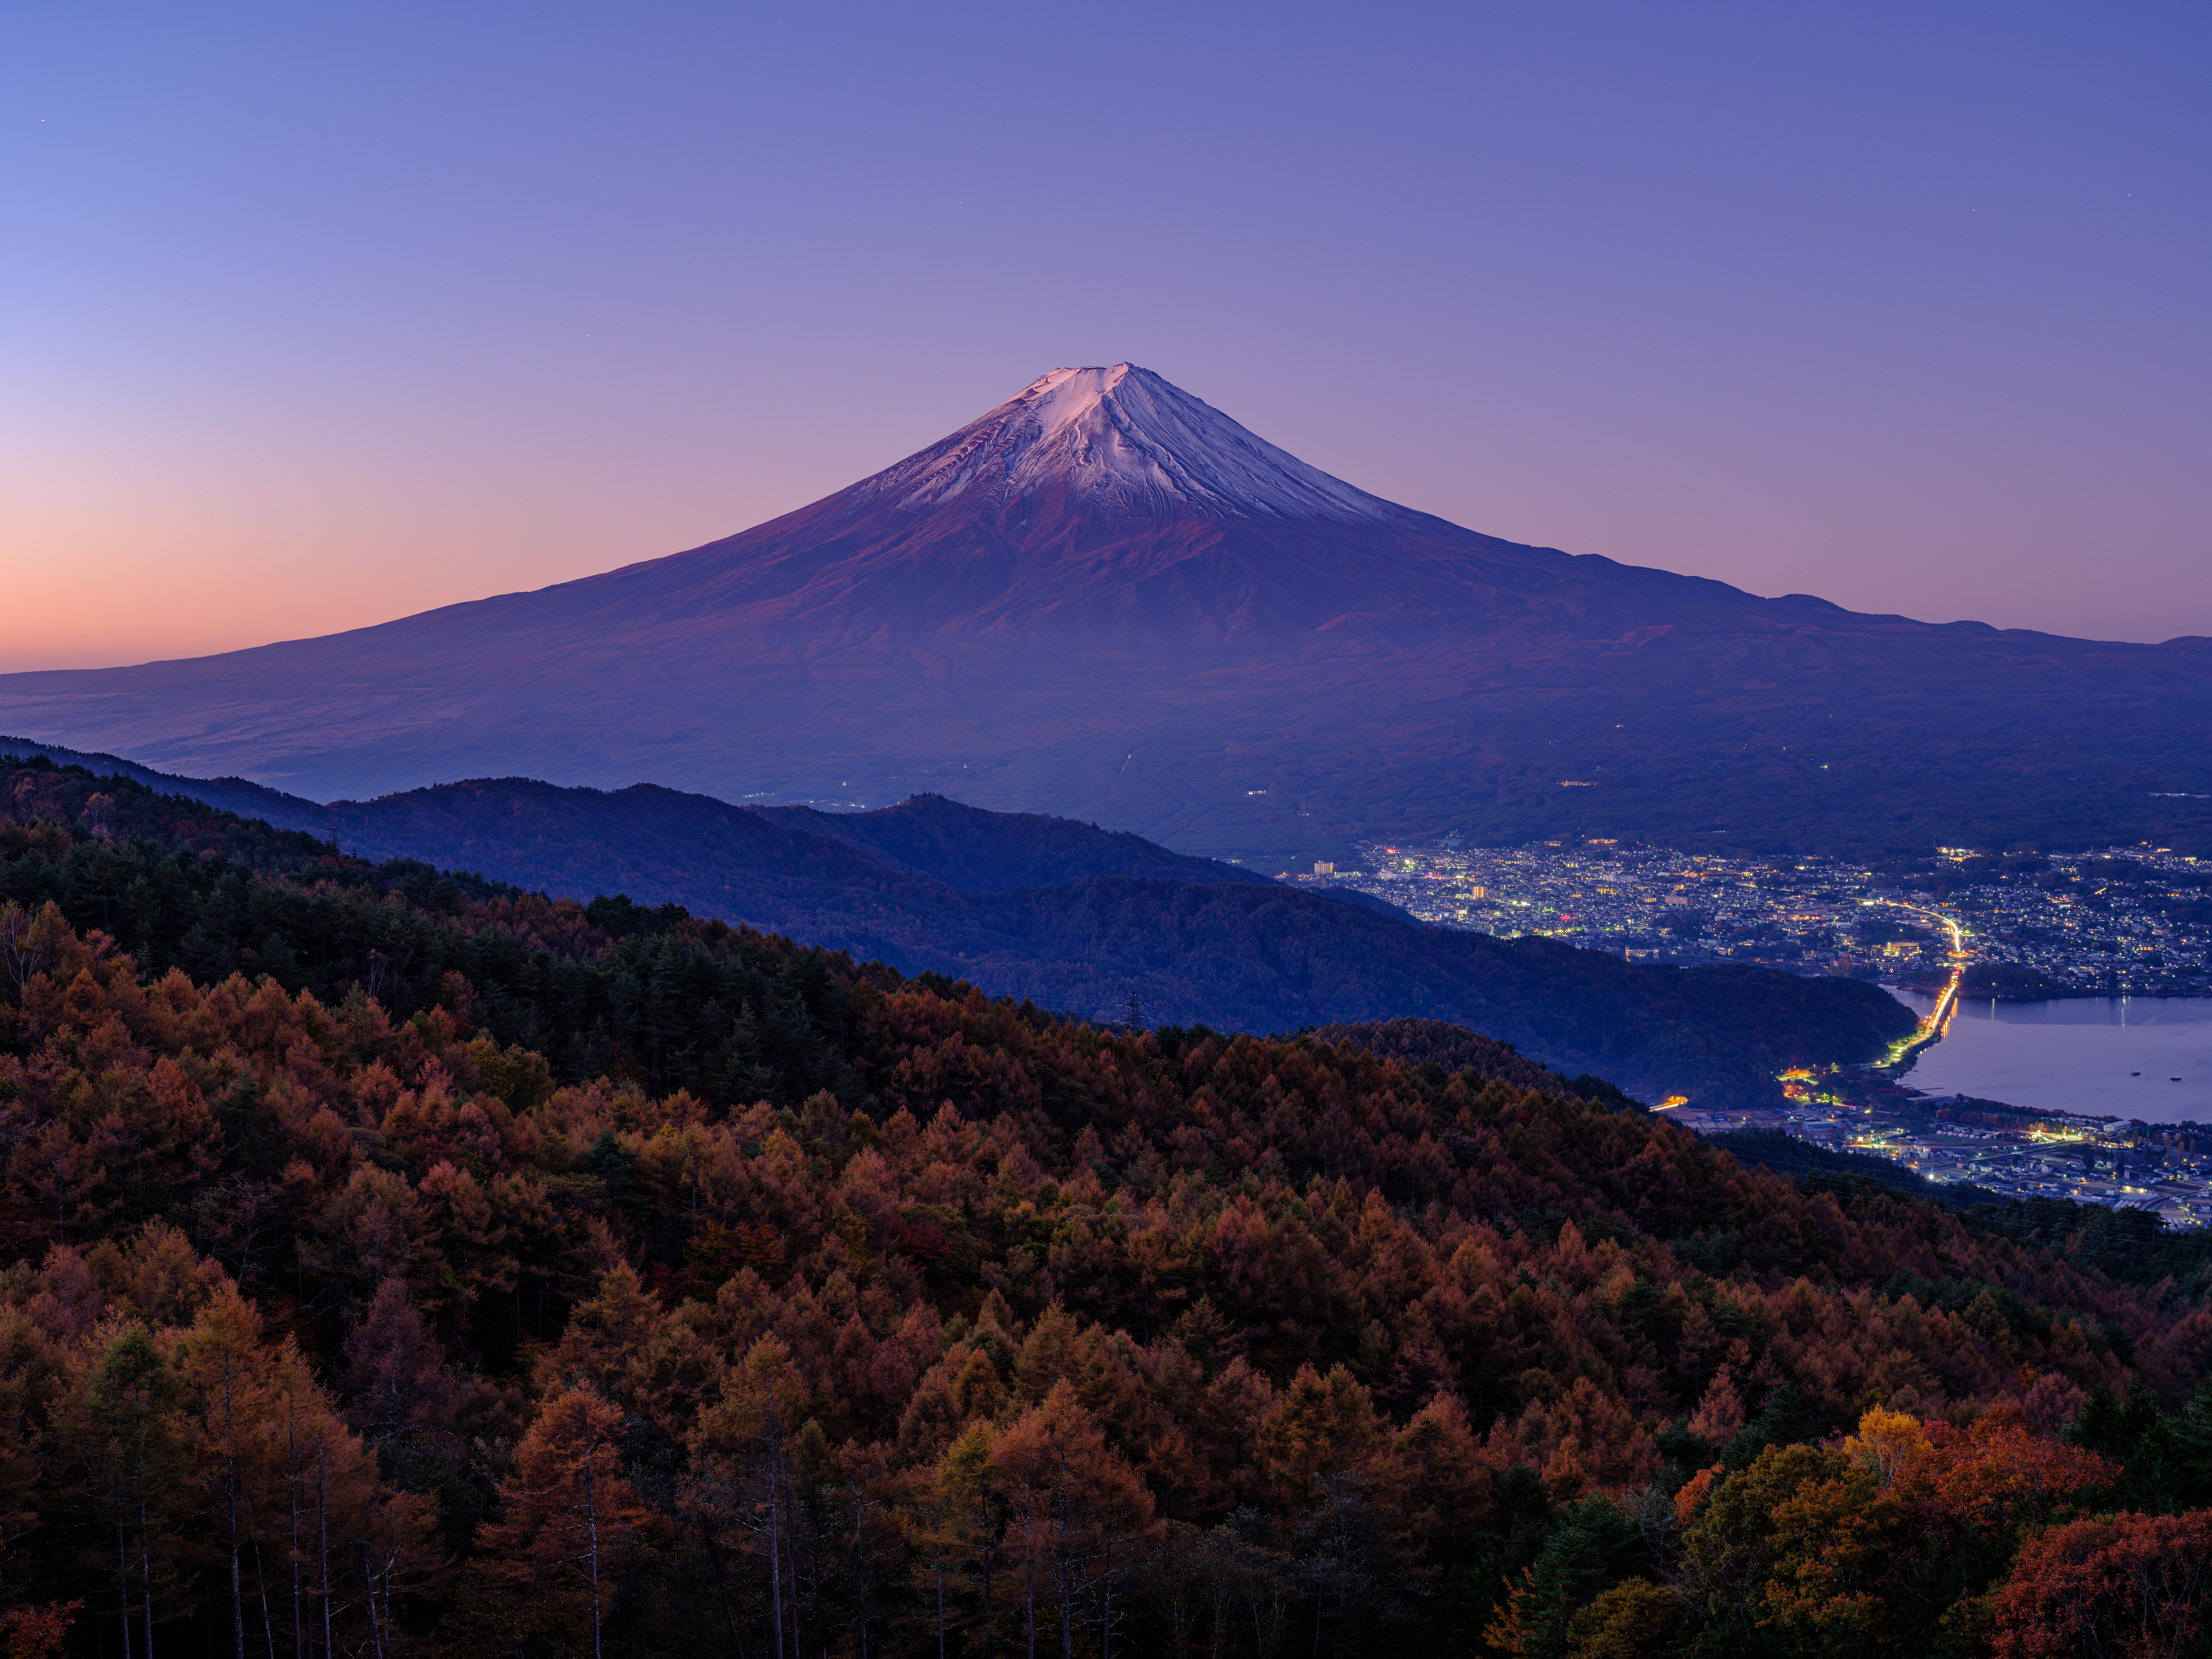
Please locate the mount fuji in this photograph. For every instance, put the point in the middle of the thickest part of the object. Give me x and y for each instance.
(1109, 600)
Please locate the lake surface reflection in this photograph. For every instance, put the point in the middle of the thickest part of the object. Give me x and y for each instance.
(2095, 1055)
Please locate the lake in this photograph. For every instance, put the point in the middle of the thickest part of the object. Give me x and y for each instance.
(2094, 1056)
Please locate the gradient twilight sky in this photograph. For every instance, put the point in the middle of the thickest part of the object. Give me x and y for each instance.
(316, 314)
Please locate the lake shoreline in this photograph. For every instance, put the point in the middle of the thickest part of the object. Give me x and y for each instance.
(2137, 1056)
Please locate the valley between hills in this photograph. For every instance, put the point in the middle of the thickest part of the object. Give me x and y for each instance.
(1049, 912)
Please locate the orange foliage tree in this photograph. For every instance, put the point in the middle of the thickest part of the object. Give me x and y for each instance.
(2123, 1584)
(569, 1513)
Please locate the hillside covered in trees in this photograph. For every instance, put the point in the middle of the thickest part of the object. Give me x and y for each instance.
(1195, 942)
(911, 1322)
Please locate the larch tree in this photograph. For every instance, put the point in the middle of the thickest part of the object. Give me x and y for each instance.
(133, 1454)
(1075, 1513)
(568, 1510)
(743, 1474)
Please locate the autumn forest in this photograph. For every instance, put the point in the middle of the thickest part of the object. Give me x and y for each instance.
(399, 1264)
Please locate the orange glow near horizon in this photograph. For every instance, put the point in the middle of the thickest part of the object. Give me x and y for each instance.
(200, 552)
(314, 326)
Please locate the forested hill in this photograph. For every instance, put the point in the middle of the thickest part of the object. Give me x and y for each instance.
(229, 794)
(936, 1327)
(1443, 1048)
(1230, 953)
(509, 820)
(980, 852)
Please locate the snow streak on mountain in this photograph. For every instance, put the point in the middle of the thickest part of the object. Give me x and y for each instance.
(1123, 441)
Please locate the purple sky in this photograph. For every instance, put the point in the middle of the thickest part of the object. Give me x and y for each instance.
(311, 316)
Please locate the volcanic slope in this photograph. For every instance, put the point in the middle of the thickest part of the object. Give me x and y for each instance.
(1107, 601)
(1195, 941)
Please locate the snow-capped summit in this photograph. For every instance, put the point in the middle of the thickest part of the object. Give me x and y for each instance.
(1126, 443)
(1107, 599)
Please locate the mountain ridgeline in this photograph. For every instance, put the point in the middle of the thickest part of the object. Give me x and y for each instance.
(1195, 943)
(1107, 600)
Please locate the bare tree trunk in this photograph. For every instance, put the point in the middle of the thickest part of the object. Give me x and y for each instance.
(791, 1549)
(230, 1491)
(376, 1621)
(592, 1533)
(261, 1577)
(990, 1624)
(292, 1492)
(1064, 1565)
(1106, 1600)
(323, 1528)
(237, 1595)
(1029, 1561)
(122, 1584)
(775, 1558)
(146, 1575)
(860, 1561)
(937, 1559)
